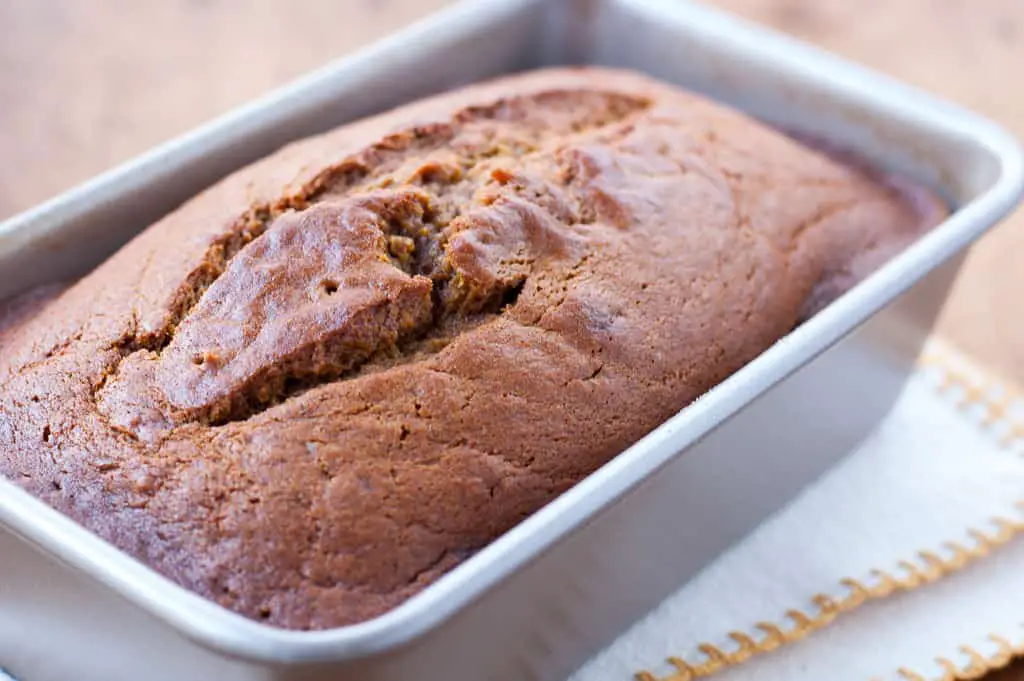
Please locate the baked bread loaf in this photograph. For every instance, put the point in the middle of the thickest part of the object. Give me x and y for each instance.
(328, 379)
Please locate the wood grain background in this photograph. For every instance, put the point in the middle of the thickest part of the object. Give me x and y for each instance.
(85, 84)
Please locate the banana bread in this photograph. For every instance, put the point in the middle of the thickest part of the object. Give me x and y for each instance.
(325, 381)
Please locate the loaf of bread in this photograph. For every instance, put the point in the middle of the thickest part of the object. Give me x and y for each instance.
(322, 383)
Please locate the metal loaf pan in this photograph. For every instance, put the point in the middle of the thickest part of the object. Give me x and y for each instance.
(537, 602)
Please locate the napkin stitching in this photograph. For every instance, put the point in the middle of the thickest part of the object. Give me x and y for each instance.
(966, 390)
(992, 395)
(978, 665)
(997, 399)
(932, 568)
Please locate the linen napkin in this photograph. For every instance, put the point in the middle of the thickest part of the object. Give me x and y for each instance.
(902, 563)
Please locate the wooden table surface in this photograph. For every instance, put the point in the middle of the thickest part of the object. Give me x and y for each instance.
(85, 84)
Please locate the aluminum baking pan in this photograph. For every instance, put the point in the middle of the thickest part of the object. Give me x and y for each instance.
(538, 601)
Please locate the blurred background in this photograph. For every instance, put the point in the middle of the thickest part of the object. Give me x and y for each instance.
(86, 84)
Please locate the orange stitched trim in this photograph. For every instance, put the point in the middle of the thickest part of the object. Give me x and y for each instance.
(977, 666)
(978, 389)
(925, 568)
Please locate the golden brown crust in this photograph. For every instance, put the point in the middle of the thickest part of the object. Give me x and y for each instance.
(328, 379)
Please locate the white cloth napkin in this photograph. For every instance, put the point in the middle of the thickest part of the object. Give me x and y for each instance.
(902, 563)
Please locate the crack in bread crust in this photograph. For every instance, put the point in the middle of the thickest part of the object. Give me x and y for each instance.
(401, 202)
